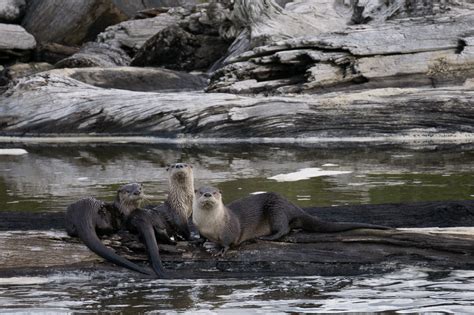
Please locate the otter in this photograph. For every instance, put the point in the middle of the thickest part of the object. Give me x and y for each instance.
(267, 216)
(89, 217)
(168, 219)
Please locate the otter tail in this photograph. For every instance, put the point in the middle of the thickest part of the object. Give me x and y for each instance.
(92, 241)
(147, 232)
(314, 224)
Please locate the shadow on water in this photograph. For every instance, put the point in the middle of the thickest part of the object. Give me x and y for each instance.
(49, 178)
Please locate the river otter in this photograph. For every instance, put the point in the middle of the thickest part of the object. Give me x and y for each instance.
(89, 217)
(266, 216)
(168, 219)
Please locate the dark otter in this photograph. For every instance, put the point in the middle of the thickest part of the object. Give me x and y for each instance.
(267, 216)
(89, 217)
(168, 219)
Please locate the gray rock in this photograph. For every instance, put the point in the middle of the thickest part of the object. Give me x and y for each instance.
(11, 10)
(15, 37)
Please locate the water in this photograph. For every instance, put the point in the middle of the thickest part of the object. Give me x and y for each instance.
(48, 178)
(405, 291)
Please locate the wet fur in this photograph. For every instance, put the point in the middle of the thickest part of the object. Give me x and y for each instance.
(160, 223)
(88, 218)
(267, 216)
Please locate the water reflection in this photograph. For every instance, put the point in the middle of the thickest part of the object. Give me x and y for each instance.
(407, 291)
(49, 178)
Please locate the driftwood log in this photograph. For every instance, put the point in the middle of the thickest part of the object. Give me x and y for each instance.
(48, 104)
(347, 253)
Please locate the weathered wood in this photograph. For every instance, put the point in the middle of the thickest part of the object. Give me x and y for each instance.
(313, 47)
(95, 54)
(388, 114)
(134, 78)
(335, 254)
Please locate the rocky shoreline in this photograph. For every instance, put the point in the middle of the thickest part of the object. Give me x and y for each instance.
(299, 69)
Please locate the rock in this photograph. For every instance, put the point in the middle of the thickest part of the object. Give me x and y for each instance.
(70, 22)
(94, 54)
(175, 48)
(15, 43)
(11, 10)
(390, 115)
(135, 79)
(15, 37)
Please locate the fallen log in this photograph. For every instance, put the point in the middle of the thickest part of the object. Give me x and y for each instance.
(335, 254)
(81, 109)
(329, 254)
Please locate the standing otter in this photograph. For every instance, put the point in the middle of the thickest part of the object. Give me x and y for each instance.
(90, 217)
(267, 216)
(168, 219)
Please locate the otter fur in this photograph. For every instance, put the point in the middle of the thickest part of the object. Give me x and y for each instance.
(89, 217)
(169, 219)
(267, 216)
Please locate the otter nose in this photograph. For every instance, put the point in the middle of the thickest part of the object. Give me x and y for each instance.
(207, 195)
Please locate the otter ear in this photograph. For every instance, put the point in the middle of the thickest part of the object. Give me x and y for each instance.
(190, 166)
(195, 190)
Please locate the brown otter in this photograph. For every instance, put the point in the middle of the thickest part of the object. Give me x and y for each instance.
(267, 216)
(168, 219)
(89, 217)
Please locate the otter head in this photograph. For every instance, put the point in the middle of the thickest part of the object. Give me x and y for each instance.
(129, 197)
(207, 198)
(180, 172)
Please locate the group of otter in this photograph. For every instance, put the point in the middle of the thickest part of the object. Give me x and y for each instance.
(266, 216)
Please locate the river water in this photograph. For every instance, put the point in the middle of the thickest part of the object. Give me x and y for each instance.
(49, 177)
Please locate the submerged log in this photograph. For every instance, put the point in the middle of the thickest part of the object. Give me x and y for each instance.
(80, 109)
(330, 254)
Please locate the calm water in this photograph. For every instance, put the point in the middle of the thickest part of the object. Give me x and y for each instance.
(48, 178)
